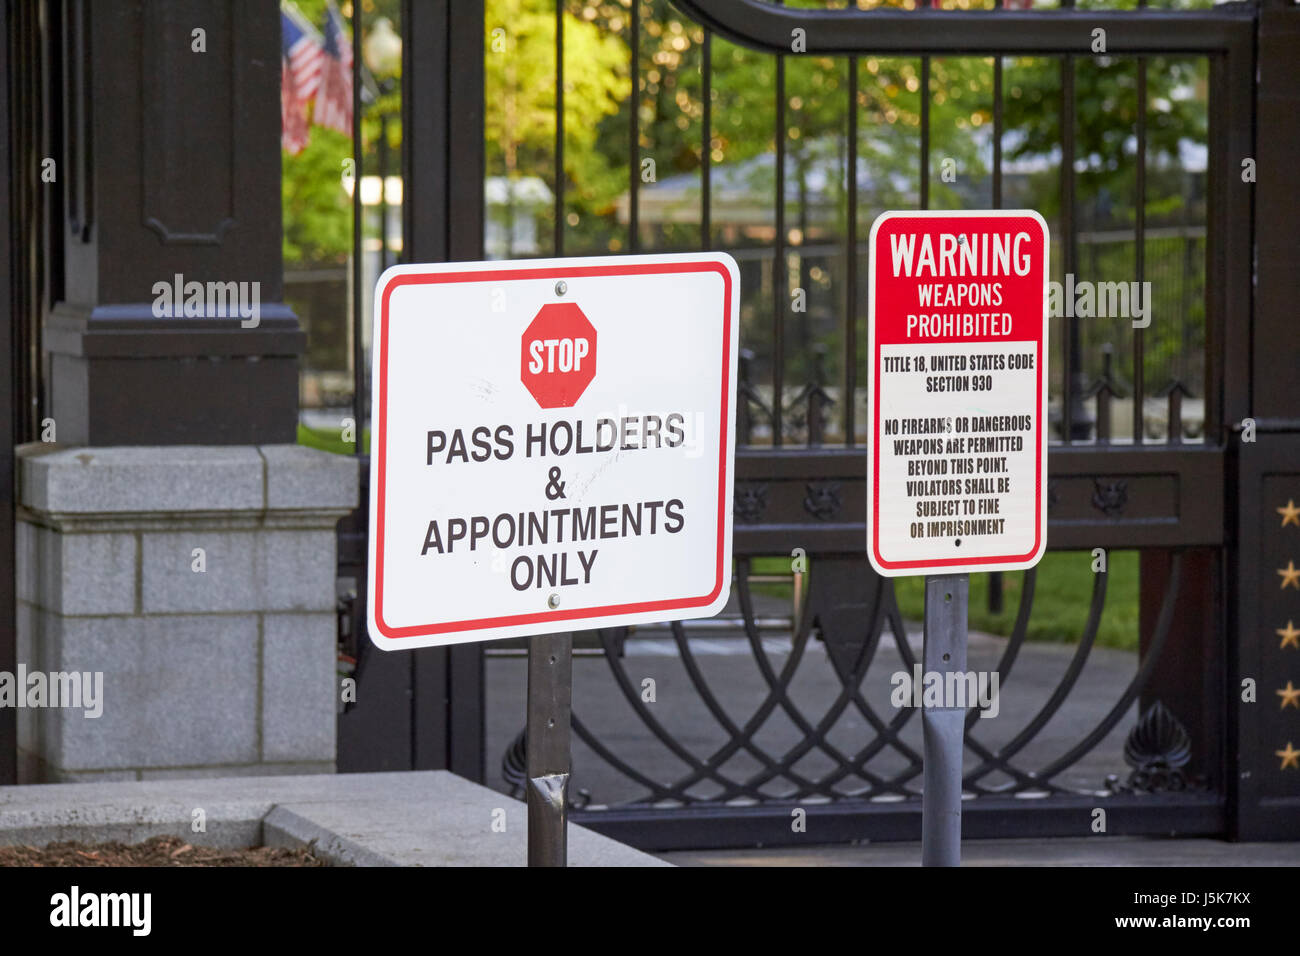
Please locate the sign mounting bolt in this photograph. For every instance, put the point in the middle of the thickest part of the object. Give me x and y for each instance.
(553, 601)
(561, 287)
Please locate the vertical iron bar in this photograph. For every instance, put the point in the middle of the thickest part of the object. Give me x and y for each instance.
(358, 254)
(19, 27)
(442, 221)
(1221, 398)
(559, 127)
(31, 379)
(997, 129)
(634, 133)
(37, 396)
(706, 159)
(464, 72)
(11, 399)
(17, 157)
(1140, 236)
(1103, 415)
(550, 701)
(997, 195)
(1175, 431)
(1070, 341)
(943, 728)
(465, 694)
(744, 398)
(925, 131)
(382, 161)
(1229, 240)
(925, 122)
(779, 266)
(851, 266)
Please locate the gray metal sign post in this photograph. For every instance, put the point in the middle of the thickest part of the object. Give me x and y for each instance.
(944, 728)
(550, 702)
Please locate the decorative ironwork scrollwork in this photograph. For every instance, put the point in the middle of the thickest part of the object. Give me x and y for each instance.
(1110, 497)
(750, 502)
(823, 500)
(1157, 748)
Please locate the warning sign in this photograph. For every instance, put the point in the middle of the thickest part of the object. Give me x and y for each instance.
(957, 403)
(553, 446)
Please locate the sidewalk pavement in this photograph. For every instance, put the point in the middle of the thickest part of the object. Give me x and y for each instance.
(1081, 851)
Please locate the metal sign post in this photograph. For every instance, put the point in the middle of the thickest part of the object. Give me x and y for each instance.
(550, 701)
(554, 449)
(943, 728)
(957, 418)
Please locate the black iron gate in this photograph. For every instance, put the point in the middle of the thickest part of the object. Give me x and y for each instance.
(1164, 497)
(1163, 490)
(1202, 487)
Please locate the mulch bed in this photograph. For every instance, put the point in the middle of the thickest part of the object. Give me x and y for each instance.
(156, 851)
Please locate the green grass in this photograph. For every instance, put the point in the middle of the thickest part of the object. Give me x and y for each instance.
(1062, 595)
(328, 439)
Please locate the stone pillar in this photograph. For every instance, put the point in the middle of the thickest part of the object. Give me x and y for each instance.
(169, 178)
(200, 581)
(170, 538)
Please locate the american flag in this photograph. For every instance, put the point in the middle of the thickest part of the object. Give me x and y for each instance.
(334, 99)
(301, 62)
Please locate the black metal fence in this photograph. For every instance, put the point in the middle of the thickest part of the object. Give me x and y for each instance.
(1154, 448)
(1141, 148)
(1138, 457)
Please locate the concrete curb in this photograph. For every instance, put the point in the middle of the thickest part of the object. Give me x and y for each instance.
(421, 818)
(284, 827)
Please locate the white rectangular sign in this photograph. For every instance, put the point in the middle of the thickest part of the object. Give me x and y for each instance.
(957, 403)
(553, 445)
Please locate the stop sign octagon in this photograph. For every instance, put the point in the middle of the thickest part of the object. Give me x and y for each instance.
(558, 359)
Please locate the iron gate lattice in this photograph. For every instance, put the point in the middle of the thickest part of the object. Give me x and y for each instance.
(801, 468)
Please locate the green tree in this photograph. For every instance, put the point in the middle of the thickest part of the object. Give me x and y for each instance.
(1106, 109)
(519, 90)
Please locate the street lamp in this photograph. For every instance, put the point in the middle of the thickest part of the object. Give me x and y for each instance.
(382, 49)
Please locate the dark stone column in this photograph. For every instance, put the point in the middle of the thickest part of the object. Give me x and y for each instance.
(1264, 736)
(171, 167)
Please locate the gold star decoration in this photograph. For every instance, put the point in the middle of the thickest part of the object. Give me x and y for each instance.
(1290, 575)
(1290, 514)
(1290, 696)
(1290, 756)
(1290, 635)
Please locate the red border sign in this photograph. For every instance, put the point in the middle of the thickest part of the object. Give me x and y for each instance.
(549, 269)
(892, 314)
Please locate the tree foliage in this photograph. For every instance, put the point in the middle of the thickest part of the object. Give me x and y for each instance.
(519, 86)
(667, 95)
(519, 90)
